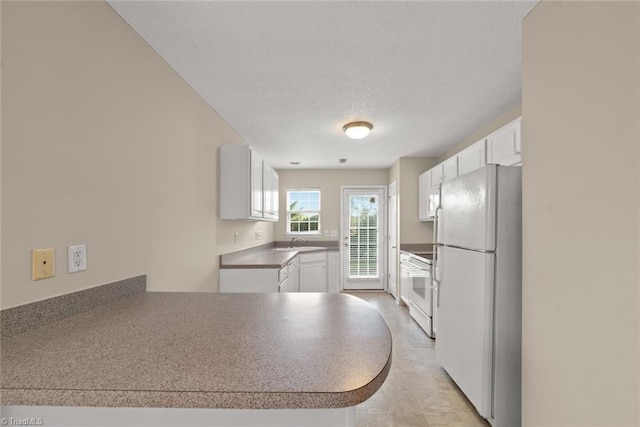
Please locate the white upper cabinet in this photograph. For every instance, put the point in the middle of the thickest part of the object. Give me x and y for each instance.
(502, 147)
(248, 186)
(429, 193)
(472, 157)
(505, 144)
(450, 168)
(271, 200)
(424, 187)
(437, 173)
(257, 181)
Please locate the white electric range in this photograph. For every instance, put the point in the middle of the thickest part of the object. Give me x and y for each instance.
(416, 289)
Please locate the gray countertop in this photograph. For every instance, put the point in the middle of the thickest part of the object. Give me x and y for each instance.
(202, 350)
(269, 257)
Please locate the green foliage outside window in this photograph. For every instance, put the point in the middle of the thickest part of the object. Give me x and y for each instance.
(303, 214)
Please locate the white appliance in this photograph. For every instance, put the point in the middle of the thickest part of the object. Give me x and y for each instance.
(416, 289)
(478, 276)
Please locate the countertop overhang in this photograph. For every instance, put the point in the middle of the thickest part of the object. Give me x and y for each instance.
(203, 350)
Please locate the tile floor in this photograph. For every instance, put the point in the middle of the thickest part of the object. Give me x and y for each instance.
(417, 392)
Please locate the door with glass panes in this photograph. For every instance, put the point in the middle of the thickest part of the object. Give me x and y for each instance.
(362, 238)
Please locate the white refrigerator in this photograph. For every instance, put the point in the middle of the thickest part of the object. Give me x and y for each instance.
(479, 289)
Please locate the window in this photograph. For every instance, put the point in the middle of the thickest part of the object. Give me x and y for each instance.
(303, 212)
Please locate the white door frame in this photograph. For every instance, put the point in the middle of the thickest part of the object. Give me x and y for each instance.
(393, 251)
(382, 228)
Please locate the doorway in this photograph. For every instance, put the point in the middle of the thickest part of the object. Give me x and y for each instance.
(363, 222)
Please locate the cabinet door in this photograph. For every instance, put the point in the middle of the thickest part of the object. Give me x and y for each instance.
(333, 281)
(294, 275)
(424, 186)
(271, 200)
(248, 280)
(503, 145)
(285, 286)
(472, 157)
(257, 182)
(437, 173)
(405, 285)
(313, 277)
(450, 168)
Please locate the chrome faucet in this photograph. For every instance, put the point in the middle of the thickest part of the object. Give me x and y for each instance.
(298, 239)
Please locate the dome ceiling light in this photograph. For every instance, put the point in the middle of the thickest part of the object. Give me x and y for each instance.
(357, 130)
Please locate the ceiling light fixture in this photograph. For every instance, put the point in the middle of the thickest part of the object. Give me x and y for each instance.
(357, 130)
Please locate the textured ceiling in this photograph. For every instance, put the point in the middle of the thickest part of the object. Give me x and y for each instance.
(288, 75)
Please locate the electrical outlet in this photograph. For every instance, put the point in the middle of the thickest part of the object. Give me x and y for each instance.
(77, 258)
(326, 233)
(42, 264)
(258, 235)
(236, 237)
(334, 233)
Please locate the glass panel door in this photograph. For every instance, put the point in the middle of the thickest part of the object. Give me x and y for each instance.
(363, 223)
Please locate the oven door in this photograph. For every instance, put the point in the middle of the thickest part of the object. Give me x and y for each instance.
(421, 292)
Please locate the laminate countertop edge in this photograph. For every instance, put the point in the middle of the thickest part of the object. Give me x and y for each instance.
(269, 257)
(195, 350)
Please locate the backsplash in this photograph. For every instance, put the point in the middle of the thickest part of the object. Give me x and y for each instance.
(417, 247)
(16, 320)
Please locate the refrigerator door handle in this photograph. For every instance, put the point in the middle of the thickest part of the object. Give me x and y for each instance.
(436, 247)
(436, 225)
(435, 279)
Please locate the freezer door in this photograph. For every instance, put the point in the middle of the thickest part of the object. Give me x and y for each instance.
(465, 322)
(467, 214)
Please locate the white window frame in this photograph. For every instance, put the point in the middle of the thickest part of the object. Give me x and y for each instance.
(317, 233)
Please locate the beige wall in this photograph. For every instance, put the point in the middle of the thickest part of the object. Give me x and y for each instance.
(483, 132)
(581, 193)
(412, 230)
(394, 171)
(103, 144)
(329, 182)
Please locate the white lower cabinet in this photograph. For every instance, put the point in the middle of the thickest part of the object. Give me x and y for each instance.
(294, 274)
(307, 272)
(249, 279)
(313, 272)
(405, 285)
(333, 279)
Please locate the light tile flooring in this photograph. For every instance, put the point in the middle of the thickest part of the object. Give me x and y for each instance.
(417, 392)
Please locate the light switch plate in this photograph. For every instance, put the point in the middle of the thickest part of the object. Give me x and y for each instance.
(42, 264)
(334, 233)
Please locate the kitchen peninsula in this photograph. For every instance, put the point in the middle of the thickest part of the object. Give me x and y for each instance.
(204, 358)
